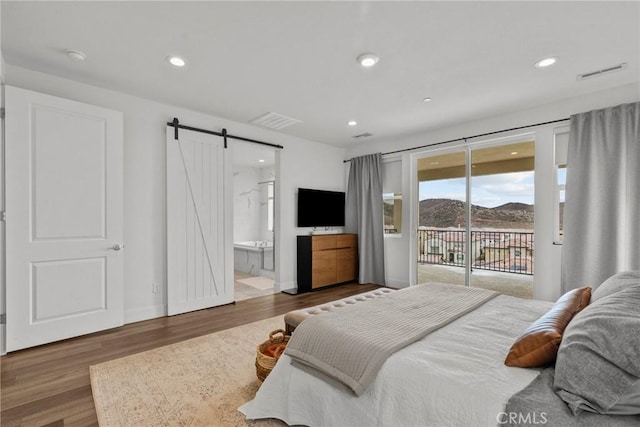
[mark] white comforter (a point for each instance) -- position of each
(453, 377)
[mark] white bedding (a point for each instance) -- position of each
(453, 377)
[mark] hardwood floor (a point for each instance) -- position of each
(49, 385)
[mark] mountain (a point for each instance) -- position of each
(514, 206)
(451, 213)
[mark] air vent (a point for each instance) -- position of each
(602, 72)
(274, 121)
(362, 135)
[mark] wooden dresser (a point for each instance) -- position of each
(326, 259)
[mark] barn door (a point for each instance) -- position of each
(199, 227)
(64, 261)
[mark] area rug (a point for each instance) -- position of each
(198, 382)
(259, 282)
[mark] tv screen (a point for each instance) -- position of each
(320, 208)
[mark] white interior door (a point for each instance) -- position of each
(63, 218)
(199, 227)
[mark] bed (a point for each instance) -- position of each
(454, 376)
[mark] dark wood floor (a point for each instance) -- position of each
(49, 385)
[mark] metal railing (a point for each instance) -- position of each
(508, 251)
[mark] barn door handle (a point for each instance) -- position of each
(117, 247)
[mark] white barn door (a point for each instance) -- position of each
(64, 265)
(199, 227)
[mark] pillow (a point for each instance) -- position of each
(615, 283)
(627, 405)
(598, 367)
(538, 344)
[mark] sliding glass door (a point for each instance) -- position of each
(442, 218)
(502, 208)
(475, 217)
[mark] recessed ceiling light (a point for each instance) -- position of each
(176, 61)
(368, 59)
(513, 153)
(352, 123)
(261, 161)
(427, 100)
(76, 55)
(546, 62)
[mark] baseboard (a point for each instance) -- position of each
(286, 285)
(145, 313)
(396, 283)
(3, 346)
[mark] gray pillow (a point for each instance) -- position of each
(627, 405)
(614, 283)
(598, 362)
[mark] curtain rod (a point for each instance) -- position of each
(469, 137)
(176, 125)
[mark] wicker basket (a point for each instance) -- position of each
(269, 352)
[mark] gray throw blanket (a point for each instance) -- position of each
(352, 344)
(538, 404)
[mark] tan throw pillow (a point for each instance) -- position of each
(538, 344)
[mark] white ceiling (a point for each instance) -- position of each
(244, 59)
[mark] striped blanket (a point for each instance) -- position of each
(352, 344)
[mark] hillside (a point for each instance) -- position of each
(450, 213)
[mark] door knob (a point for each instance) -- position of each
(117, 247)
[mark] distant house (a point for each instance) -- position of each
(448, 245)
(498, 250)
(514, 254)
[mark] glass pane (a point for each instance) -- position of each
(561, 180)
(270, 206)
(392, 213)
(270, 214)
(502, 207)
(442, 218)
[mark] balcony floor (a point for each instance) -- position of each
(517, 285)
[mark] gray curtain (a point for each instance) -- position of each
(364, 215)
(602, 205)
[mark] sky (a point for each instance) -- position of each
(488, 190)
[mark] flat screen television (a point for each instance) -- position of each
(320, 208)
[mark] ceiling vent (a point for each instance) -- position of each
(362, 135)
(602, 72)
(274, 121)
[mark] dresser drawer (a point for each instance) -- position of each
(321, 243)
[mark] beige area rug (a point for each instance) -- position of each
(198, 382)
(262, 283)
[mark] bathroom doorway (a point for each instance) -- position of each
(254, 201)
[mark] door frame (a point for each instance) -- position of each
(3, 244)
(277, 230)
(111, 313)
(464, 146)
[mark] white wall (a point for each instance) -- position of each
(301, 163)
(559, 110)
(396, 247)
(321, 169)
(400, 252)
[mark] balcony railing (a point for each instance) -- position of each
(496, 250)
